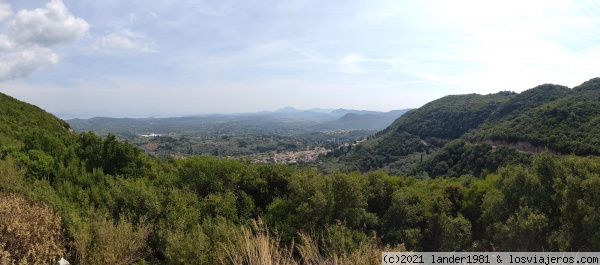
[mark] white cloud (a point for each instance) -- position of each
(47, 27)
(24, 62)
(25, 47)
(5, 11)
(123, 39)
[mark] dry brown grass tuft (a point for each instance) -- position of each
(257, 246)
(29, 232)
(309, 250)
(367, 253)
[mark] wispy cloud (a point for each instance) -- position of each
(358, 64)
(306, 57)
(123, 39)
(310, 55)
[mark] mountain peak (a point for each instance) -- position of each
(288, 110)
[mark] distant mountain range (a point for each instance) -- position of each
(314, 119)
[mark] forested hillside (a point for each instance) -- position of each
(451, 116)
(419, 133)
(553, 117)
(102, 201)
(548, 117)
(22, 123)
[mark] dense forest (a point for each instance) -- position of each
(467, 185)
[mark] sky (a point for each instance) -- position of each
(133, 58)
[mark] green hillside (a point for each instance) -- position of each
(20, 121)
(419, 133)
(555, 118)
(451, 116)
(529, 99)
(547, 117)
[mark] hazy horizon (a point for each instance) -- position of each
(68, 116)
(177, 58)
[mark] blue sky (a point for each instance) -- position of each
(79, 58)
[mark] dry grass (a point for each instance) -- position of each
(366, 253)
(309, 250)
(369, 253)
(258, 246)
(29, 232)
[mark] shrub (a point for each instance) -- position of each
(101, 240)
(29, 232)
(11, 178)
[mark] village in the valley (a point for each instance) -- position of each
(290, 157)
